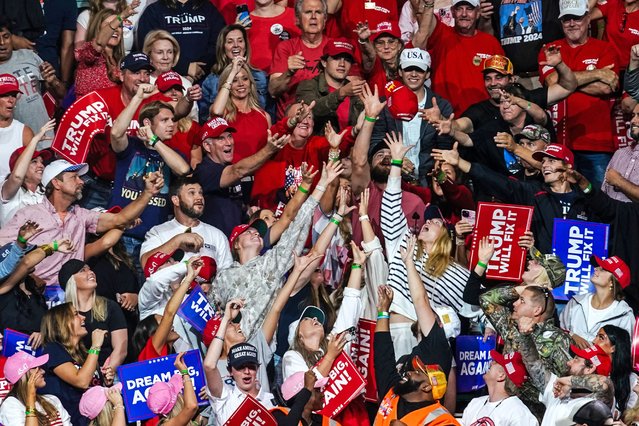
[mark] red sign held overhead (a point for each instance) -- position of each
(80, 123)
(362, 354)
(503, 224)
(344, 384)
(251, 413)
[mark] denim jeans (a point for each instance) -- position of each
(592, 165)
(96, 193)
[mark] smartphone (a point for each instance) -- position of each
(468, 216)
(351, 333)
(243, 15)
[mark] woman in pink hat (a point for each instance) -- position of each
(23, 406)
(104, 406)
(167, 401)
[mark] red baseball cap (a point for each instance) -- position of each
(499, 63)
(167, 80)
(600, 359)
(257, 224)
(215, 127)
(401, 101)
(339, 46)
(9, 84)
(45, 154)
(386, 28)
(208, 271)
(158, 259)
(615, 266)
(513, 366)
(557, 151)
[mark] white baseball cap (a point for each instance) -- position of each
(415, 58)
(473, 3)
(573, 7)
(59, 166)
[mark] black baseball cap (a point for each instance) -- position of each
(242, 354)
(136, 61)
(70, 268)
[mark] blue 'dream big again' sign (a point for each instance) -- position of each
(17, 342)
(472, 356)
(138, 377)
(196, 309)
(574, 241)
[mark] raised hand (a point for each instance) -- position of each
(373, 107)
(296, 62)
(196, 70)
(486, 250)
(336, 345)
(66, 246)
(407, 253)
(384, 298)
(331, 171)
(450, 156)
(506, 141)
(193, 267)
(359, 256)
(194, 93)
(302, 262)
(130, 10)
(97, 338)
(179, 362)
(334, 138)
(527, 240)
(432, 114)
(308, 173)
(154, 182)
(277, 142)
(146, 90)
(363, 202)
(344, 198)
(233, 307)
(363, 31)
(28, 230)
(48, 126)
(444, 126)
(395, 143)
(553, 56)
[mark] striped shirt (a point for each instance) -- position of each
(446, 290)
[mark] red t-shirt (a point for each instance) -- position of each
(621, 41)
(373, 11)
(584, 122)
(377, 76)
(101, 158)
(251, 133)
(266, 33)
(183, 142)
(280, 65)
(457, 63)
(343, 110)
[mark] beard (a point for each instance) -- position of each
(380, 174)
(190, 211)
(406, 387)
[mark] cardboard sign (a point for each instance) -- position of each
(344, 384)
(472, 356)
(503, 224)
(635, 346)
(80, 123)
(362, 354)
(574, 241)
(15, 341)
(138, 377)
(196, 309)
(54, 295)
(251, 413)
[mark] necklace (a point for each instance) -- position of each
(494, 408)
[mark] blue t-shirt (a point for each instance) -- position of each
(59, 16)
(222, 206)
(132, 164)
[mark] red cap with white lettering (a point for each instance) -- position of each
(9, 84)
(615, 266)
(554, 150)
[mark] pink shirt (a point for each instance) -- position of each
(77, 223)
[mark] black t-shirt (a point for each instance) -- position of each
(114, 321)
(69, 395)
(222, 206)
(523, 27)
(24, 317)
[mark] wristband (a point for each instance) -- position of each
(379, 317)
(482, 264)
(397, 163)
(153, 140)
(119, 18)
(356, 266)
(364, 217)
(183, 372)
(333, 154)
(55, 245)
(302, 189)
(528, 107)
(320, 188)
(48, 250)
(335, 221)
(588, 189)
(383, 313)
(29, 411)
(94, 351)
(370, 119)
(220, 338)
(21, 239)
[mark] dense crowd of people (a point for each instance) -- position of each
(306, 165)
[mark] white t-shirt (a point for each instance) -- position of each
(507, 412)
(23, 198)
(264, 355)
(231, 398)
(10, 140)
(596, 316)
(557, 409)
(215, 243)
(12, 412)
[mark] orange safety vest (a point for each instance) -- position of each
(432, 415)
(326, 421)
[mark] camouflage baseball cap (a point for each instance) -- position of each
(534, 132)
(552, 264)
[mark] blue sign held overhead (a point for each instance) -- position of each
(15, 341)
(138, 377)
(196, 309)
(574, 241)
(472, 356)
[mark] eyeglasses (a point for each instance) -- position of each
(390, 42)
(622, 24)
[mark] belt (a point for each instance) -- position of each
(528, 74)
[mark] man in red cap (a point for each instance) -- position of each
(555, 197)
(458, 53)
(500, 407)
(23, 185)
(334, 92)
(14, 133)
(220, 178)
(296, 60)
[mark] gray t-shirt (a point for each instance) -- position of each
(25, 66)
